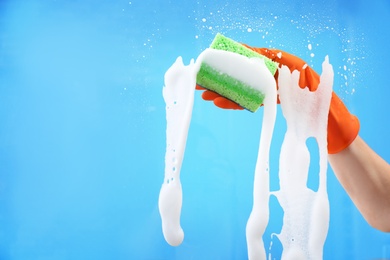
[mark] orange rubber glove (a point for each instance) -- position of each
(343, 127)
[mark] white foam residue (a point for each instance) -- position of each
(306, 213)
(258, 219)
(247, 70)
(178, 94)
(254, 73)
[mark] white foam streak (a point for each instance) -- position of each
(247, 70)
(258, 219)
(178, 94)
(306, 213)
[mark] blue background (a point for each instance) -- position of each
(82, 124)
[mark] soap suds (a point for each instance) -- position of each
(178, 94)
(306, 213)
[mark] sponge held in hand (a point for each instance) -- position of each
(227, 86)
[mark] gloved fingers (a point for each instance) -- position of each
(197, 87)
(283, 58)
(209, 95)
(220, 101)
(263, 51)
(225, 103)
(308, 77)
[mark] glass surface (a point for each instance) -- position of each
(82, 124)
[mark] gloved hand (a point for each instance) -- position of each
(343, 127)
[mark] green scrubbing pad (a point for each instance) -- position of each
(227, 86)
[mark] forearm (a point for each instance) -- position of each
(366, 178)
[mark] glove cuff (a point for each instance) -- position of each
(343, 127)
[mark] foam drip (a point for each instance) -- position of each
(306, 213)
(178, 94)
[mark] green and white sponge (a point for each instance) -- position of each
(227, 86)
